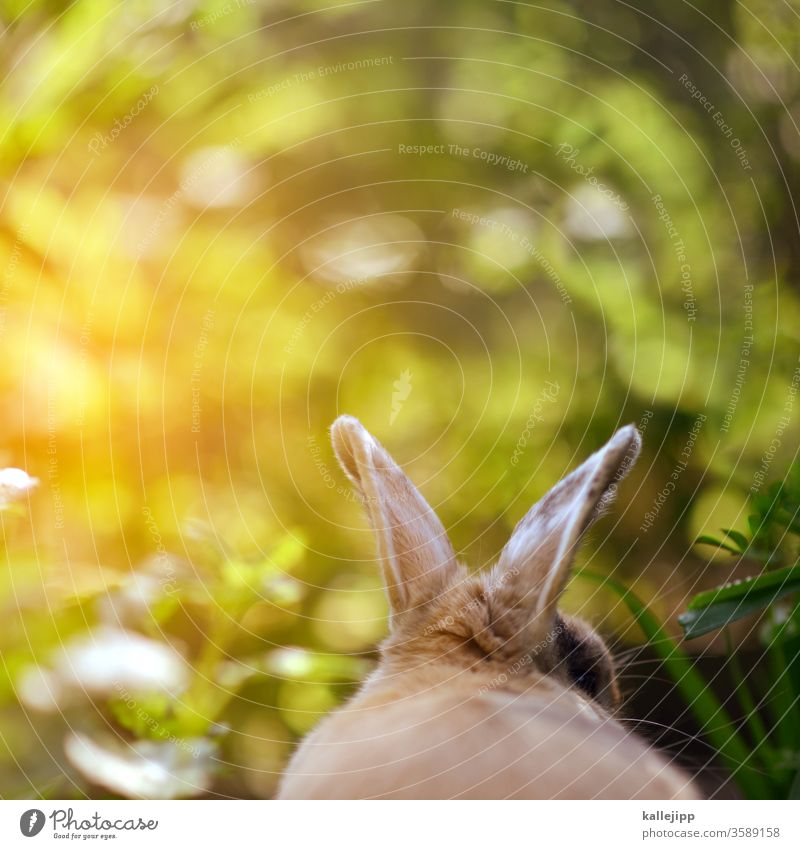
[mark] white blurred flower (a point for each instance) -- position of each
(290, 662)
(14, 484)
(147, 223)
(110, 658)
(146, 769)
(504, 236)
(107, 661)
(39, 689)
(592, 216)
(363, 249)
(283, 590)
(216, 176)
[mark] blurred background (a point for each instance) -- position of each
(493, 231)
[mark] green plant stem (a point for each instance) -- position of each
(794, 790)
(783, 706)
(756, 725)
(714, 720)
(203, 701)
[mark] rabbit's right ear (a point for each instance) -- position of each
(416, 556)
(535, 564)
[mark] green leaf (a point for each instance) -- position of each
(695, 623)
(718, 543)
(757, 583)
(739, 538)
(712, 610)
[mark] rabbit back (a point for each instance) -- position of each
(494, 745)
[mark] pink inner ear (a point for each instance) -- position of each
(413, 546)
(539, 554)
(566, 525)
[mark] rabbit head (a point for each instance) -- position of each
(504, 619)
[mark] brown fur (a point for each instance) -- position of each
(483, 690)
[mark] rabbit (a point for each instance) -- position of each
(484, 690)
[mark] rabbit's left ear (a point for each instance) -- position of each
(416, 556)
(534, 566)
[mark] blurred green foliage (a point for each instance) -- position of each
(218, 231)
